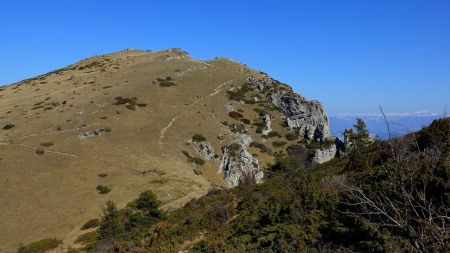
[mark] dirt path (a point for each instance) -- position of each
(216, 91)
(41, 134)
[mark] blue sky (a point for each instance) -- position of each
(351, 55)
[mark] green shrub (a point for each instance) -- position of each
(239, 94)
(198, 160)
(278, 143)
(130, 103)
(87, 238)
(193, 159)
(245, 121)
(103, 189)
(92, 223)
(233, 148)
(8, 126)
(110, 225)
(47, 144)
(167, 82)
(198, 138)
(291, 136)
(263, 148)
(235, 115)
(273, 134)
(40, 246)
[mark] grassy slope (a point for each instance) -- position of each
(53, 194)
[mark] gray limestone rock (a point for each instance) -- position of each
(205, 149)
(239, 166)
(267, 128)
(324, 154)
(307, 117)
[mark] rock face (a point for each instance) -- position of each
(324, 155)
(205, 149)
(307, 117)
(267, 129)
(238, 164)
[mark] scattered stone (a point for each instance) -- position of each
(93, 133)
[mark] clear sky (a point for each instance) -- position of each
(351, 55)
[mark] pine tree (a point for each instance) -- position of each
(110, 227)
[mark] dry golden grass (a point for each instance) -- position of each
(53, 194)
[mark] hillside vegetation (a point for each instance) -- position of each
(112, 126)
(384, 196)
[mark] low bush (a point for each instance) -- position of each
(263, 148)
(198, 138)
(167, 82)
(198, 160)
(40, 246)
(235, 115)
(92, 223)
(245, 121)
(103, 189)
(239, 94)
(273, 134)
(291, 136)
(87, 238)
(279, 143)
(8, 126)
(47, 144)
(130, 103)
(193, 159)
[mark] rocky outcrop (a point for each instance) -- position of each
(176, 54)
(238, 164)
(205, 149)
(267, 128)
(263, 83)
(307, 117)
(324, 154)
(93, 133)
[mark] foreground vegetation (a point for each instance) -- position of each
(383, 196)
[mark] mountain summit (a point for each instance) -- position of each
(112, 126)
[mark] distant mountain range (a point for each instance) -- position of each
(400, 123)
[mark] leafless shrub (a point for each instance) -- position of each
(405, 203)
